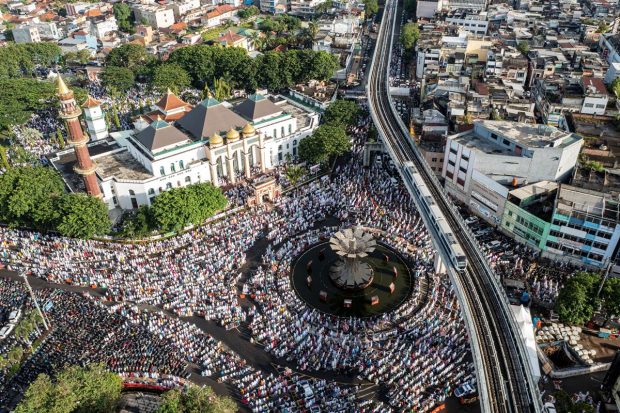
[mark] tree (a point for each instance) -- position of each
(122, 13)
(615, 86)
(194, 399)
(294, 173)
(255, 40)
(21, 97)
(4, 160)
(610, 295)
(118, 78)
(577, 300)
(371, 7)
(523, 47)
(602, 28)
(411, 7)
(27, 196)
(325, 142)
(409, 36)
(75, 390)
(60, 139)
(179, 207)
(323, 65)
(222, 89)
(342, 112)
(82, 216)
(248, 12)
(172, 76)
(131, 56)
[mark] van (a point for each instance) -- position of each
(494, 244)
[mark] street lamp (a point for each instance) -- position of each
(34, 299)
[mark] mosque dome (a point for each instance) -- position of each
(216, 140)
(248, 130)
(232, 135)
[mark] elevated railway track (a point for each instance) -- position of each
(504, 378)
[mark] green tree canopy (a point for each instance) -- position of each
(342, 112)
(410, 7)
(27, 196)
(122, 13)
(615, 86)
(76, 390)
(409, 36)
(21, 97)
(523, 47)
(170, 75)
(176, 208)
(117, 78)
(131, 56)
(17, 60)
(82, 216)
(325, 142)
(577, 300)
(371, 7)
(611, 296)
(248, 12)
(194, 399)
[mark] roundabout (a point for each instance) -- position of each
(348, 278)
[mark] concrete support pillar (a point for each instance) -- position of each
(214, 178)
(229, 165)
(262, 149)
(246, 164)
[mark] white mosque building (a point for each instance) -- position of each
(177, 145)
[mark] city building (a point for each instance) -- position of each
(100, 27)
(26, 34)
(483, 164)
(304, 7)
(158, 17)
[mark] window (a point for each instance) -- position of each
(493, 136)
(600, 106)
(295, 142)
(181, 165)
(282, 131)
(169, 185)
(275, 135)
(188, 180)
(434, 160)
(290, 128)
(172, 168)
(162, 171)
(451, 163)
(506, 142)
(134, 201)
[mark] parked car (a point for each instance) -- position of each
(464, 390)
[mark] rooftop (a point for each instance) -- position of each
(531, 136)
(121, 165)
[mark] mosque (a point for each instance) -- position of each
(176, 145)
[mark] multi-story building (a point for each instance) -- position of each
(595, 96)
(182, 7)
(527, 213)
(100, 27)
(304, 7)
(481, 165)
(475, 23)
(26, 34)
(157, 17)
(585, 225)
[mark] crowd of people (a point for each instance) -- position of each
(197, 273)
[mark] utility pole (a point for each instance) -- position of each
(36, 303)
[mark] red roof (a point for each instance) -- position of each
(170, 101)
(230, 37)
(594, 82)
(177, 27)
(219, 10)
(93, 13)
(91, 102)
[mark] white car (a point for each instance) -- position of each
(14, 316)
(471, 220)
(464, 390)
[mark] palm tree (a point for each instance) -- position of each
(294, 173)
(256, 40)
(16, 354)
(313, 29)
